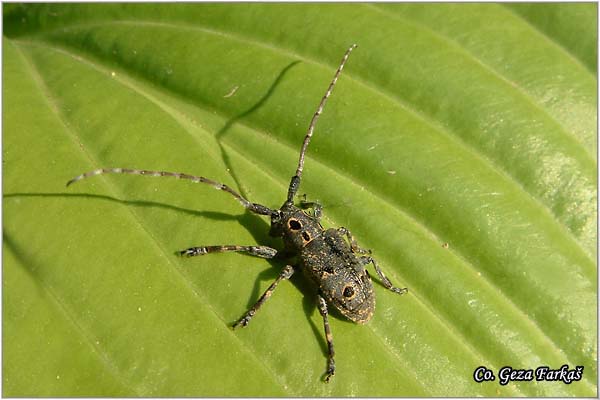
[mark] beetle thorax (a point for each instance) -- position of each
(295, 226)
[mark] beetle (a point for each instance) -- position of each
(330, 258)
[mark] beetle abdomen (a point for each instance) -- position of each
(339, 276)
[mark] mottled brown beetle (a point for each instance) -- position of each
(330, 258)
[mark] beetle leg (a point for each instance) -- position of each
(330, 360)
(386, 282)
(285, 274)
(353, 244)
(316, 207)
(258, 251)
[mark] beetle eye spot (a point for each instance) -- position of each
(294, 224)
(306, 236)
(348, 291)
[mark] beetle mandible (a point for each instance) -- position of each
(330, 258)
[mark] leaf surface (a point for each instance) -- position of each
(459, 145)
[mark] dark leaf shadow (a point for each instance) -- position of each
(134, 203)
(223, 131)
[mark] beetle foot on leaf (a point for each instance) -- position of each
(330, 371)
(244, 321)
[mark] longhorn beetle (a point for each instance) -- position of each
(330, 258)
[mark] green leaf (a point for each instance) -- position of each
(459, 145)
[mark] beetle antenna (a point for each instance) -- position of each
(254, 207)
(295, 183)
